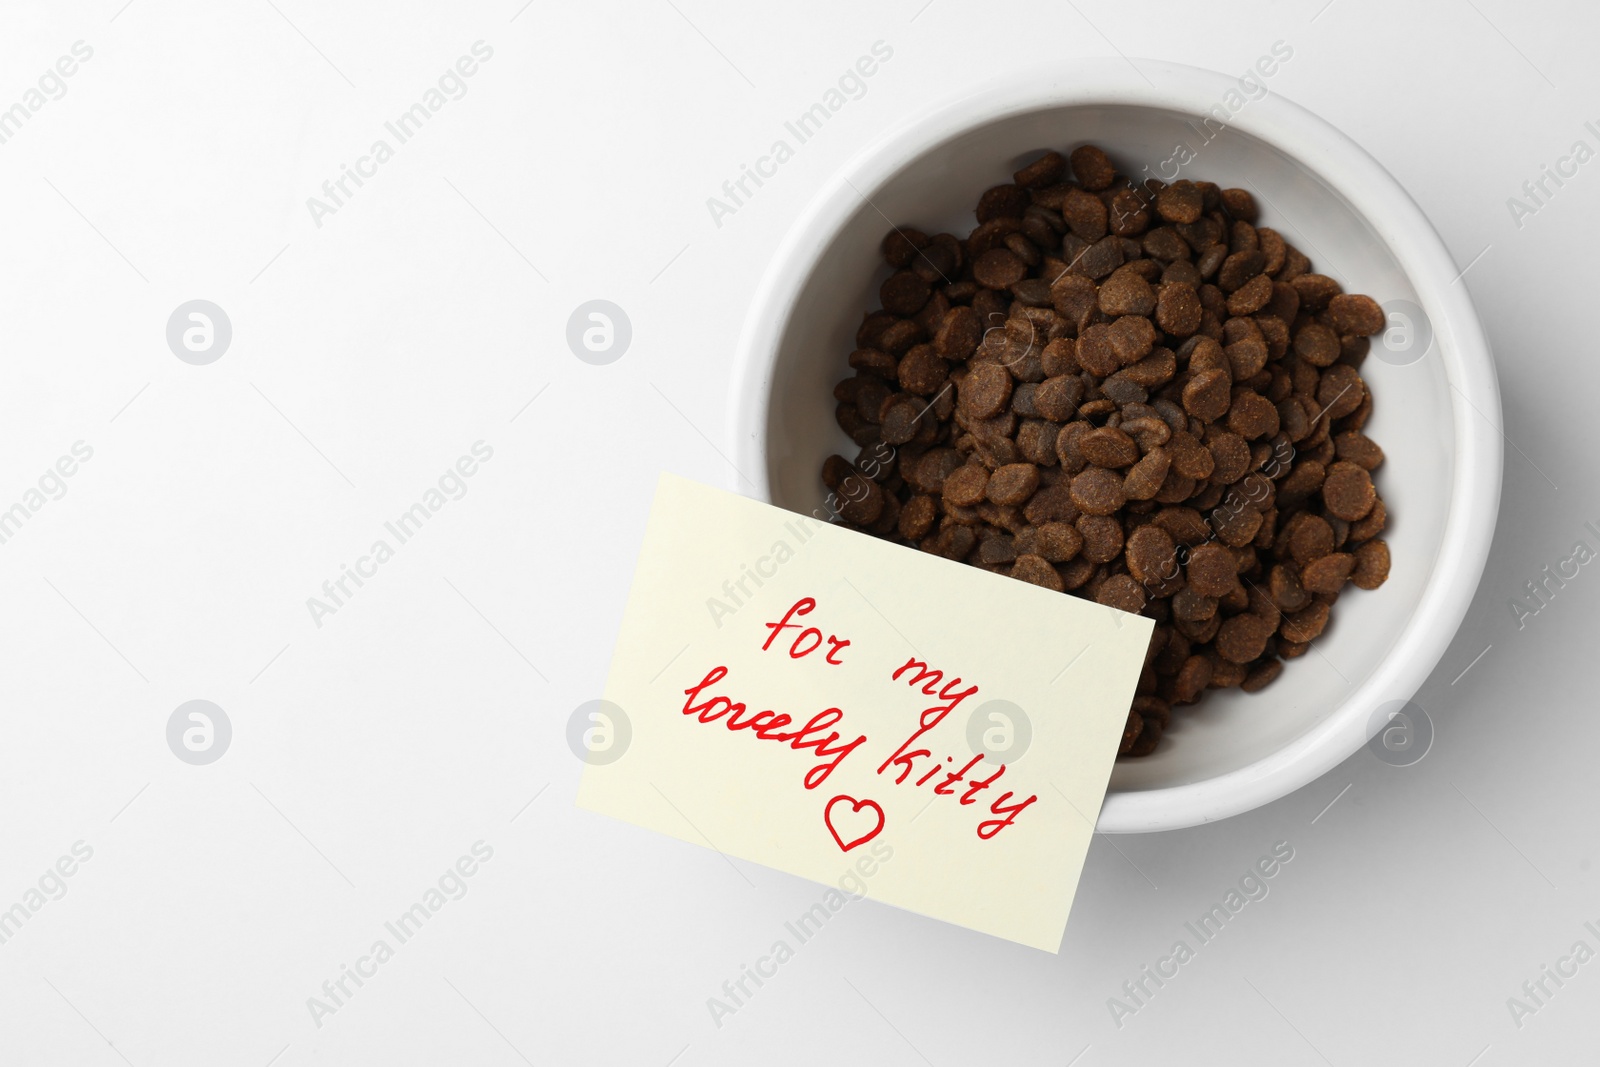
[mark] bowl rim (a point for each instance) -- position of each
(1373, 193)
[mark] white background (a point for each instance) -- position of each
(425, 315)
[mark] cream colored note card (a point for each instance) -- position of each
(862, 714)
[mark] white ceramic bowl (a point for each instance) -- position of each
(1435, 416)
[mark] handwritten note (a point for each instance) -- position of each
(803, 696)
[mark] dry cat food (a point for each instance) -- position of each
(1129, 393)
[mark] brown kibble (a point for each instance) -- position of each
(1108, 447)
(1193, 677)
(1151, 555)
(1250, 297)
(1240, 204)
(1208, 395)
(1127, 293)
(1238, 269)
(1305, 626)
(1262, 675)
(1085, 214)
(1252, 416)
(1102, 538)
(1144, 479)
(1130, 392)
(985, 391)
(1372, 565)
(1036, 570)
(917, 517)
(1359, 449)
(1092, 168)
(1244, 637)
(1347, 491)
(1310, 538)
(1315, 290)
(922, 372)
(1057, 541)
(958, 335)
(1180, 202)
(860, 499)
(1046, 170)
(1096, 353)
(1098, 491)
(903, 293)
(1057, 398)
(999, 268)
(1317, 345)
(899, 246)
(1355, 314)
(1003, 202)
(1122, 592)
(1178, 309)
(967, 486)
(1013, 483)
(1328, 574)
(1130, 733)
(1212, 571)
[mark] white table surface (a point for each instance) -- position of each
(428, 313)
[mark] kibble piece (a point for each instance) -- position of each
(1208, 395)
(999, 268)
(967, 486)
(1037, 571)
(1057, 398)
(917, 517)
(1372, 565)
(1013, 483)
(1046, 170)
(1127, 293)
(922, 372)
(1102, 538)
(1178, 309)
(1057, 541)
(1347, 491)
(860, 499)
(1316, 290)
(1145, 478)
(1092, 167)
(1097, 491)
(1359, 449)
(1243, 638)
(1250, 297)
(1262, 675)
(1310, 538)
(1355, 314)
(1212, 571)
(1371, 526)
(1305, 626)
(1240, 204)
(1109, 446)
(1085, 214)
(1151, 555)
(1317, 345)
(1328, 574)
(1193, 677)
(904, 293)
(899, 246)
(1252, 416)
(1181, 201)
(1122, 592)
(1238, 269)
(1096, 353)
(958, 335)
(985, 391)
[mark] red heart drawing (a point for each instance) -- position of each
(855, 806)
